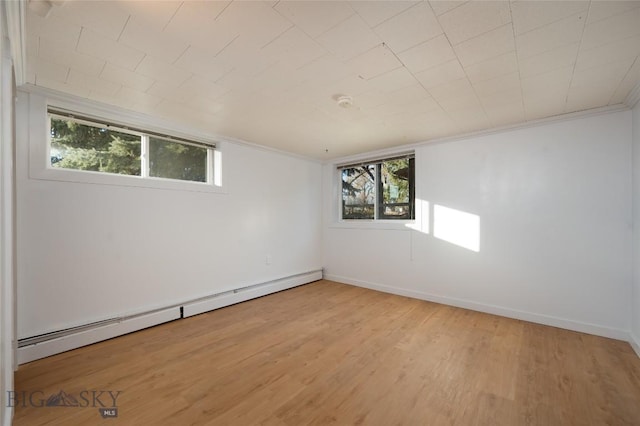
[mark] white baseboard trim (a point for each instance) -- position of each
(242, 295)
(45, 348)
(490, 309)
(635, 343)
(93, 335)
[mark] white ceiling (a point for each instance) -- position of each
(269, 72)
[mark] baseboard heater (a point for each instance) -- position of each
(37, 347)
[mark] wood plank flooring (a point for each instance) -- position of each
(327, 353)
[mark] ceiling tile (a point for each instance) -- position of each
(93, 84)
(506, 115)
(94, 44)
(441, 6)
(101, 16)
(199, 87)
(31, 69)
(410, 28)
(70, 58)
(314, 17)
(205, 105)
(62, 87)
(278, 82)
(594, 97)
(428, 54)
(154, 14)
(608, 53)
(239, 81)
(245, 58)
(494, 67)
(349, 38)
(628, 83)
(162, 71)
(258, 24)
(609, 74)
(612, 29)
(375, 62)
(441, 74)
(56, 29)
(125, 77)
(152, 41)
(605, 9)
(294, 49)
(195, 24)
(505, 107)
(529, 15)
(176, 111)
(392, 80)
(255, 62)
(566, 31)
(501, 99)
(376, 12)
(559, 57)
(350, 85)
(409, 95)
(198, 62)
(371, 99)
(325, 68)
(496, 85)
(469, 118)
(544, 104)
(33, 43)
(474, 18)
(486, 46)
(454, 95)
(48, 70)
(553, 82)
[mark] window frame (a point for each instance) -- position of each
(376, 223)
(40, 167)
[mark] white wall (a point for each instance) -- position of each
(635, 324)
(88, 252)
(555, 227)
(6, 224)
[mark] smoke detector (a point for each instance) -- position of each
(344, 101)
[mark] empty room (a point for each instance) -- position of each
(319, 212)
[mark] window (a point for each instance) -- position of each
(379, 189)
(80, 143)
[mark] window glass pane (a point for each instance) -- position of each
(174, 160)
(84, 147)
(358, 192)
(395, 176)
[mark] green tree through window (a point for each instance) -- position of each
(382, 189)
(84, 147)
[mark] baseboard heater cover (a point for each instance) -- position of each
(248, 293)
(88, 336)
(33, 348)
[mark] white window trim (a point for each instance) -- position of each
(381, 224)
(39, 149)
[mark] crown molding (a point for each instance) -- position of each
(126, 116)
(512, 127)
(14, 15)
(633, 97)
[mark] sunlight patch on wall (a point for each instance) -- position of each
(456, 227)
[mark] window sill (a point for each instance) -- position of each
(98, 178)
(391, 225)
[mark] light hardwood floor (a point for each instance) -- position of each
(328, 353)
